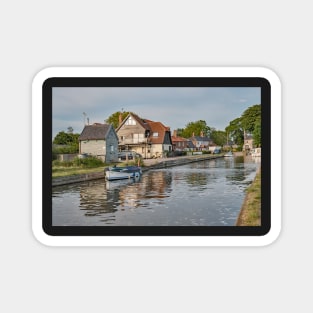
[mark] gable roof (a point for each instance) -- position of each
(190, 144)
(140, 121)
(151, 126)
(96, 131)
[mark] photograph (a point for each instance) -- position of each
(156, 156)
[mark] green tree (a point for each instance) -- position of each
(63, 138)
(180, 132)
(196, 128)
(247, 122)
(219, 137)
(115, 117)
(235, 131)
(250, 117)
(257, 133)
(69, 141)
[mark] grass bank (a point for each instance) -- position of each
(62, 169)
(89, 166)
(250, 213)
(70, 171)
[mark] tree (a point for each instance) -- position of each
(63, 138)
(68, 140)
(246, 123)
(250, 117)
(196, 128)
(257, 133)
(115, 117)
(219, 137)
(235, 131)
(180, 132)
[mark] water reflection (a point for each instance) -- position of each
(204, 193)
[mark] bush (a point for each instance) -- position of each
(88, 162)
(58, 163)
(176, 153)
(206, 152)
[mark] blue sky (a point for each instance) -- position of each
(174, 107)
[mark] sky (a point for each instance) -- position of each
(173, 106)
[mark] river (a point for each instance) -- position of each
(206, 193)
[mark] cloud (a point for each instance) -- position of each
(174, 107)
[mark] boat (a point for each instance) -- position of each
(228, 154)
(125, 172)
(120, 183)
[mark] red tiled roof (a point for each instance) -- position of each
(177, 139)
(157, 127)
(142, 122)
(153, 127)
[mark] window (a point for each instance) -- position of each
(138, 138)
(155, 134)
(130, 121)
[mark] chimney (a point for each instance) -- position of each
(120, 119)
(175, 133)
(193, 134)
(201, 133)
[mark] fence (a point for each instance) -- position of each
(66, 157)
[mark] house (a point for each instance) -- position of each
(248, 143)
(99, 140)
(148, 138)
(200, 142)
(179, 143)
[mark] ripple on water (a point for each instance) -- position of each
(209, 193)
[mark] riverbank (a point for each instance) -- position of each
(177, 161)
(250, 213)
(148, 165)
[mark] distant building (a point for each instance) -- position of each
(248, 143)
(99, 140)
(179, 143)
(200, 142)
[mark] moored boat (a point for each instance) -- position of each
(127, 172)
(228, 154)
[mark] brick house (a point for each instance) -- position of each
(179, 143)
(200, 142)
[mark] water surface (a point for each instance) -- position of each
(207, 193)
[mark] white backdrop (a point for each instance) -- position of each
(38, 34)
